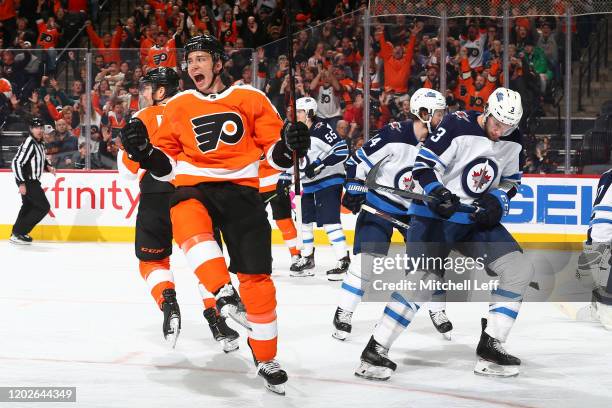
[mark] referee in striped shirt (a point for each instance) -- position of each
(28, 165)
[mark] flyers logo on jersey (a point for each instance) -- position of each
(226, 127)
(159, 58)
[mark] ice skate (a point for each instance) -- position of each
(494, 359)
(342, 323)
(274, 376)
(172, 317)
(303, 267)
(337, 274)
(375, 362)
(20, 239)
(221, 331)
(295, 261)
(441, 323)
(228, 305)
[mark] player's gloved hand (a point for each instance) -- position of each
(283, 185)
(490, 210)
(296, 137)
(313, 169)
(135, 140)
(354, 195)
(447, 203)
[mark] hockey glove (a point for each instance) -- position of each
(446, 203)
(297, 138)
(489, 210)
(313, 169)
(354, 196)
(283, 185)
(135, 140)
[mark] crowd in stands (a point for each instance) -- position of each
(329, 56)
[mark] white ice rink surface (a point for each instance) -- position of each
(80, 315)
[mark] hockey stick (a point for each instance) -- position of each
(384, 216)
(372, 184)
(296, 166)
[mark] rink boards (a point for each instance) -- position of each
(101, 206)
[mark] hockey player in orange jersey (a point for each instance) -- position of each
(281, 207)
(153, 244)
(209, 144)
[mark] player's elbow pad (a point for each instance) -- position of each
(157, 163)
(282, 157)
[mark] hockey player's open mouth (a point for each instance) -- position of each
(198, 79)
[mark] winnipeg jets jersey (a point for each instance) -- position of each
(462, 158)
(398, 146)
(331, 151)
(600, 227)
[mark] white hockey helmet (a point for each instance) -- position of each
(428, 99)
(505, 105)
(307, 104)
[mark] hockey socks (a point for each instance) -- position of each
(158, 277)
(336, 237)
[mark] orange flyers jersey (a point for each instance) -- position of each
(218, 137)
(151, 116)
(268, 176)
(162, 56)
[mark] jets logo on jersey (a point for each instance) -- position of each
(226, 127)
(462, 115)
(159, 58)
(478, 175)
(404, 180)
(395, 125)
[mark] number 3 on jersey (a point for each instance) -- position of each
(439, 133)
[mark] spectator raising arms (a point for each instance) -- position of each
(397, 60)
(108, 46)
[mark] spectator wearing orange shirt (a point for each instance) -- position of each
(48, 38)
(397, 60)
(7, 19)
(163, 54)
(475, 91)
(108, 46)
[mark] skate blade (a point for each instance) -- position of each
(335, 277)
(277, 389)
(447, 335)
(230, 345)
(340, 335)
(302, 274)
(172, 337)
(370, 372)
(236, 315)
(490, 369)
(18, 242)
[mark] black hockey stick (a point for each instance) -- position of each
(372, 184)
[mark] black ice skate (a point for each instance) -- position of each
(375, 362)
(228, 305)
(172, 317)
(494, 359)
(342, 323)
(20, 239)
(441, 323)
(221, 331)
(274, 376)
(337, 274)
(295, 261)
(303, 266)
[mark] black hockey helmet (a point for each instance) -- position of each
(162, 76)
(36, 122)
(207, 43)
